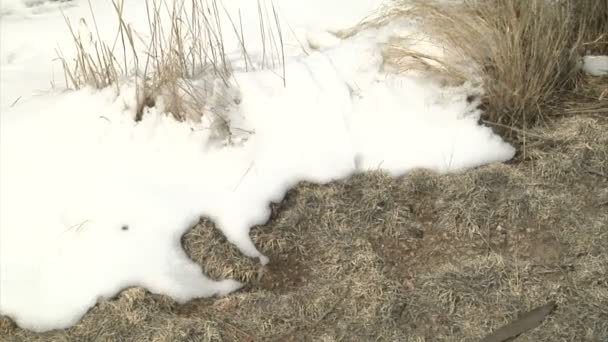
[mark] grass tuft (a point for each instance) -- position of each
(182, 62)
(525, 53)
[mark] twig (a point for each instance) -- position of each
(525, 322)
(521, 131)
(280, 31)
(243, 177)
(596, 173)
(77, 227)
(314, 323)
(15, 102)
(248, 336)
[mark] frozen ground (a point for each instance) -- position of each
(93, 202)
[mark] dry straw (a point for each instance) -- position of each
(185, 46)
(525, 53)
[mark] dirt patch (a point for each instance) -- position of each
(415, 258)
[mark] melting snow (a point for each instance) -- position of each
(92, 202)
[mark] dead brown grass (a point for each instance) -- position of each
(178, 64)
(418, 258)
(524, 53)
(593, 25)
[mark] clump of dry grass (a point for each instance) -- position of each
(94, 64)
(523, 52)
(192, 48)
(594, 24)
(183, 61)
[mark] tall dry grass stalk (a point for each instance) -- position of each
(180, 60)
(524, 53)
(95, 63)
(592, 23)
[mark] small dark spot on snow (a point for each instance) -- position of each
(125, 227)
(150, 102)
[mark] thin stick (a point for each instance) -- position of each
(525, 322)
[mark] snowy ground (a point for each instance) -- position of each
(92, 202)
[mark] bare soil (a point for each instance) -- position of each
(423, 257)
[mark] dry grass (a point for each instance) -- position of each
(179, 63)
(593, 25)
(524, 53)
(95, 63)
(417, 258)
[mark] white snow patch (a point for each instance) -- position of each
(595, 65)
(92, 202)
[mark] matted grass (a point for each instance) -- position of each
(418, 258)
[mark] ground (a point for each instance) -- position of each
(422, 257)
